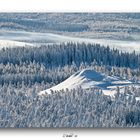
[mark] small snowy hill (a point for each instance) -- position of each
(87, 79)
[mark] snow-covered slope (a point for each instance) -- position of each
(87, 79)
(49, 38)
(10, 43)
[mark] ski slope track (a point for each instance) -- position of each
(88, 79)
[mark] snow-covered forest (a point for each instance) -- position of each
(25, 71)
(71, 109)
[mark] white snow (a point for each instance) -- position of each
(137, 98)
(50, 38)
(9, 44)
(88, 79)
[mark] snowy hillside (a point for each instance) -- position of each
(87, 79)
(48, 38)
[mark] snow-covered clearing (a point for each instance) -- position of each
(10, 44)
